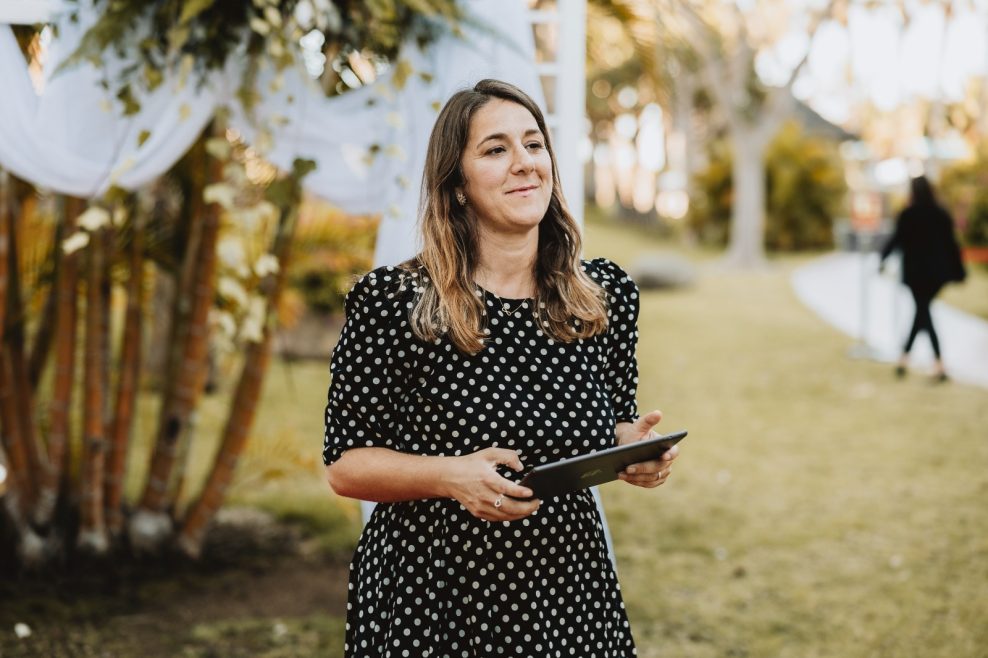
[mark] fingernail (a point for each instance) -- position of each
(632, 469)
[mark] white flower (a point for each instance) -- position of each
(304, 15)
(260, 26)
(252, 329)
(265, 265)
(272, 15)
(22, 631)
(231, 290)
(218, 147)
(94, 218)
(231, 252)
(220, 193)
(224, 322)
(119, 216)
(75, 242)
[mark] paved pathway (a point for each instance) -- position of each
(847, 291)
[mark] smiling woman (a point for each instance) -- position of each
(495, 350)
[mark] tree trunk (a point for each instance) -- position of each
(747, 241)
(151, 524)
(41, 346)
(6, 235)
(23, 398)
(92, 531)
(21, 483)
(128, 384)
(243, 406)
(64, 290)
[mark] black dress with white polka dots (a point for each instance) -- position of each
(428, 579)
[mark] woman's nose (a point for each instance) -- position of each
(523, 160)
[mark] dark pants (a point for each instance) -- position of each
(923, 320)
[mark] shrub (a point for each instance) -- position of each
(805, 189)
(331, 248)
(964, 190)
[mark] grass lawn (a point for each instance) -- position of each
(820, 507)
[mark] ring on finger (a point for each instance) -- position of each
(498, 501)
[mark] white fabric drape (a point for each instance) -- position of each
(73, 138)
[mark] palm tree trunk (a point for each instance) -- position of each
(22, 486)
(128, 385)
(64, 291)
(151, 524)
(243, 406)
(44, 335)
(23, 398)
(92, 531)
(6, 235)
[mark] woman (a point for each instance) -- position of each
(495, 347)
(924, 232)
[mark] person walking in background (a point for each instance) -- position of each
(931, 258)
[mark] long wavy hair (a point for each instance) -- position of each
(568, 305)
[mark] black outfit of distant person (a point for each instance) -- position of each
(931, 258)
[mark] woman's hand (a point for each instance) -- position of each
(651, 473)
(474, 481)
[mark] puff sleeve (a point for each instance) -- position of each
(369, 366)
(621, 341)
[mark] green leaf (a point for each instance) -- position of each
(143, 137)
(193, 8)
(403, 69)
(126, 96)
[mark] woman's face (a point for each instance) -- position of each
(507, 168)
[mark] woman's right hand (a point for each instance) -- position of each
(473, 480)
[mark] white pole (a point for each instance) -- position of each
(571, 90)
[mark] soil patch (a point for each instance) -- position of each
(260, 589)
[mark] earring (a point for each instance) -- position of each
(461, 197)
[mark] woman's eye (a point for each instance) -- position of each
(496, 150)
(535, 146)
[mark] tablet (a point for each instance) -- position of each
(595, 468)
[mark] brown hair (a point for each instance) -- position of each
(569, 304)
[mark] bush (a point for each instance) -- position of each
(964, 190)
(805, 189)
(331, 249)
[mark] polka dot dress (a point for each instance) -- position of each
(428, 579)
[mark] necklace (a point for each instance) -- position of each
(506, 307)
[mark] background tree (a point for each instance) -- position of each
(804, 190)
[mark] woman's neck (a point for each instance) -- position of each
(506, 265)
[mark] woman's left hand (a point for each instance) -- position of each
(652, 473)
